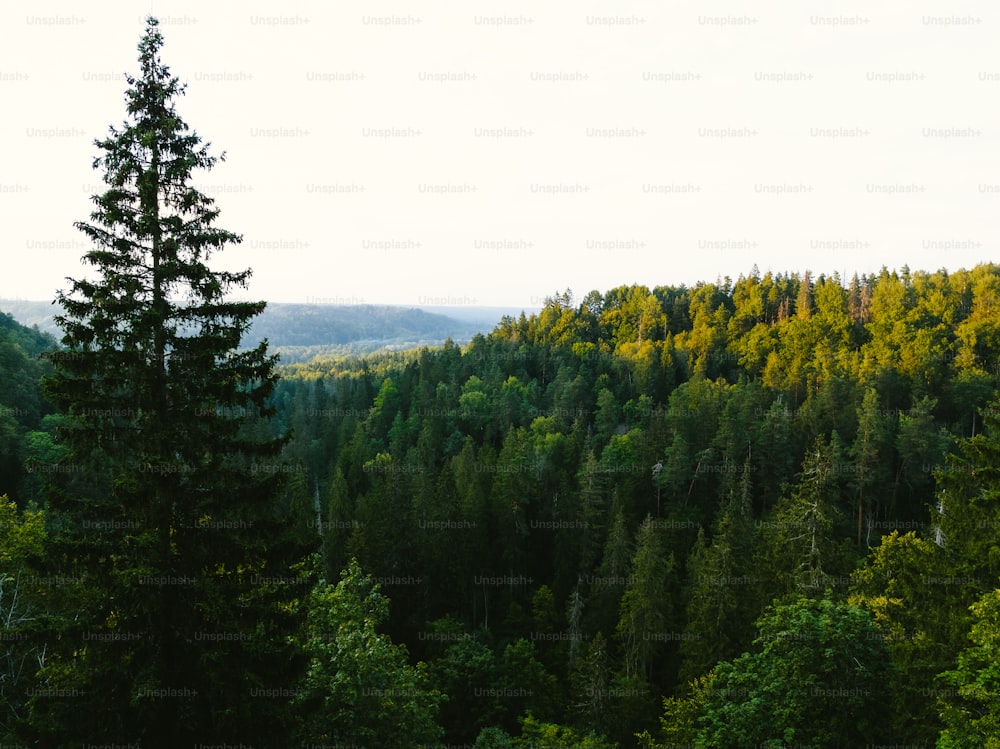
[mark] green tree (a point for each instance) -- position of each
(493, 738)
(590, 682)
(965, 523)
(803, 304)
(720, 603)
(339, 523)
(22, 537)
(920, 444)
(592, 483)
(678, 723)
(467, 674)
(607, 416)
(905, 585)
(871, 474)
(537, 734)
(799, 543)
(608, 584)
(774, 452)
(39, 451)
(970, 702)
(359, 687)
(170, 523)
(968, 511)
(21, 403)
(645, 605)
(817, 676)
(525, 685)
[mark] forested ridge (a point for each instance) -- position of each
(712, 516)
(300, 332)
(621, 485)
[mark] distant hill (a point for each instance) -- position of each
(21, 404)
(312, 324)
(31, 314)
(299, 332)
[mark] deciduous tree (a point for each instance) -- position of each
(817, 676)
(359, 688)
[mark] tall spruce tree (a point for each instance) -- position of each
(171, 527)
(721, 600)
(645, 606)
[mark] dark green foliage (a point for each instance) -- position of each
(359, 688)
(467, 675)
(512, 478)
(645, 609)
(967, 513)
(799, 550)
(817, 676)
(721, 591)
(23, 361)
(970, 705)
(22, 602)
(174, 624)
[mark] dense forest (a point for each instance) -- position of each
(712, 516)
(759, 513)
(645, 492)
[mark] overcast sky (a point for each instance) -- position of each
(491, 153)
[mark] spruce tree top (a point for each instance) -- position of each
(153, 344)
(154, 299)
(171, 517)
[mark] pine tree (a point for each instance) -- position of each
(574, 615)
(592, 501)
(608, 585)
(854, 299)
(868, 453)
(590, 681)
(968, 509)
(645, 605)
(177, 625)
(797, 541)
(719, 609)
(803, 303)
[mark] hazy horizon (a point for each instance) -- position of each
(538, 303)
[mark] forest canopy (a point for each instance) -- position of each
(586, 527)
(740, 444)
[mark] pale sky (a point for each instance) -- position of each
(492, 153)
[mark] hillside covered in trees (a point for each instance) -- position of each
(721, 516)
(631, 488)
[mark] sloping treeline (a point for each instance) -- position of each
(628, 481)
(760, 513)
